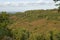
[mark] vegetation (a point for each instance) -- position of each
(30, 25)
(4, 21)
(57, 4)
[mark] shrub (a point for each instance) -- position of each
(20, 34)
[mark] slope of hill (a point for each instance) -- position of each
(36, 22)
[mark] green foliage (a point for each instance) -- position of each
(57, 4)
(58, 36)
(20, 34)
(51, 35)
(4, 20)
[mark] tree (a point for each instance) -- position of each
(57, 5)
(4, 21)
(55, 0)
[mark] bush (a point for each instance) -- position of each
(20, 34)
(4, 21)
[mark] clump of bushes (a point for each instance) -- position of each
(4, 21)
(20, 34)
